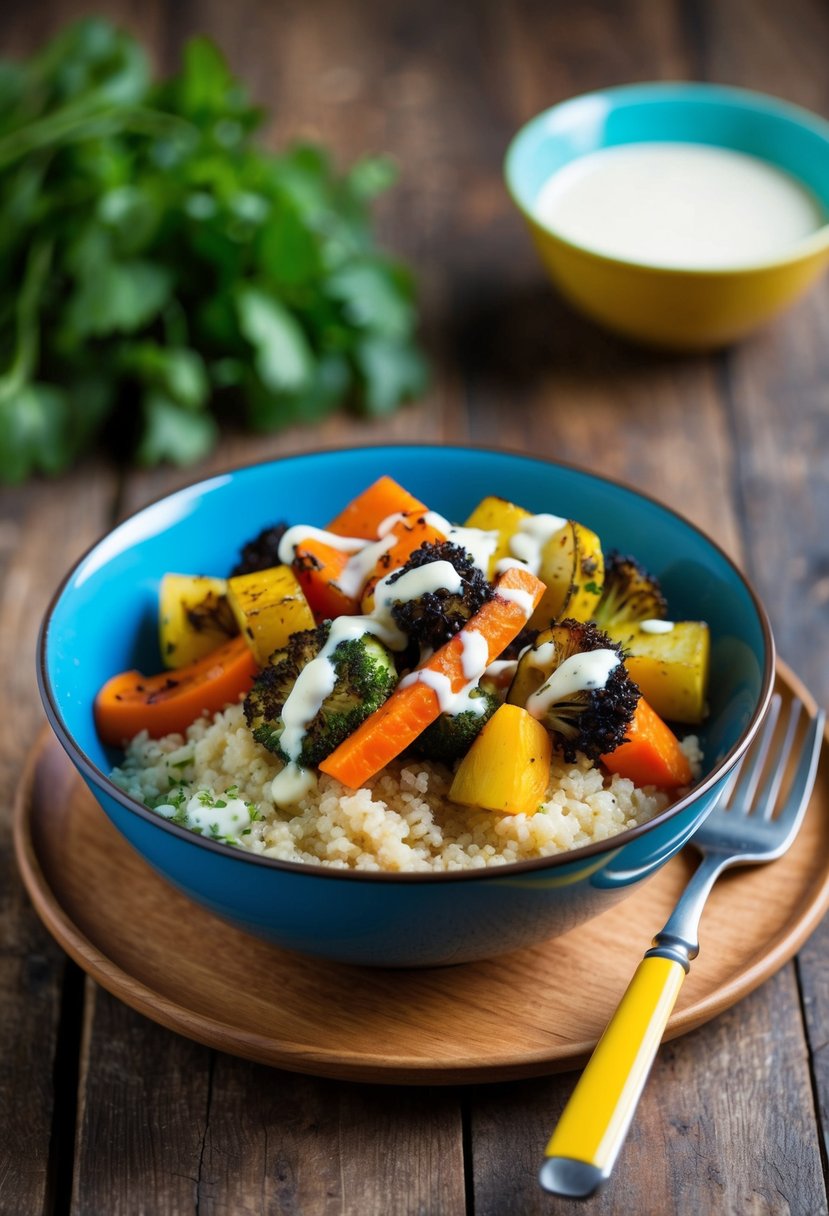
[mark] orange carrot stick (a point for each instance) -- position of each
(364, 514)
(410, 709)
(169, 702)
(651, 754)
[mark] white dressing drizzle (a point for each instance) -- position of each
(516, 595)
(532, 534)
(299, 532)
(292, 784)
(655, 626)
(358, 568)
(474, 655)
(579, 673)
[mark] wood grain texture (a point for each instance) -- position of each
(723, 1127)
(41, 528)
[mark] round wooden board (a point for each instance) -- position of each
(536, 1011)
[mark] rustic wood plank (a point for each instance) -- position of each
(43, 527)
(281, 1143)
(724, 1126)
(144, 1098)
(778, 385)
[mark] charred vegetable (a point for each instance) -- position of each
(432, 618)
(193, 617)
(451, 735)
(262, 552)
(585, 704)
(364, 676)
(630, 593)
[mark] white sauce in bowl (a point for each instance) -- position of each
(681, 205)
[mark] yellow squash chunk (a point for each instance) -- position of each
(572, 569)
(269, 606)
(497, 515)
(507, 768)
(671, 669)
(193, 618)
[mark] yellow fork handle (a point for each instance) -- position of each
(594, 1123)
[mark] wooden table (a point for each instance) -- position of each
(102, 1111)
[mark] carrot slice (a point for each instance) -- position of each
(317, 567)
(364, 514)
(410, 709)
(412, 530)
(651, 754)
(169, 702)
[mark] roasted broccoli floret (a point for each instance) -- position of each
(591, 720)
(364, 673)
(450, 736)
(262, 552)
(434, 617)
(630, 593)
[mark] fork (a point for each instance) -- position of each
(742, 829)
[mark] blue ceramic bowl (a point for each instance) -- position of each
(103, 620)
(682, 309)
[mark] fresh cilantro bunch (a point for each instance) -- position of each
(159, 268)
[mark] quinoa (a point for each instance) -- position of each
(217, 779)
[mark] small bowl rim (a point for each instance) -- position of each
(490, 873)
(658, 92)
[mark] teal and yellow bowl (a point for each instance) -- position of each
(103, 619)
(680, 309)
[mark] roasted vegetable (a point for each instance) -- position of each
(432, 618)
(170, 702)
(650, 753)
(507, 768)
(193, 618)
(415, 703)
(451, 735)
(572, 569)
(585, 706)
(268, 606)
(497, 515)
(630, 593)
(261, 553)
(365, 513)
(318, 568)
(670, 668)
(364, 676)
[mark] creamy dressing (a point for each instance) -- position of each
(434, 576)
(225, 820)
(579, 673)
(292, 784)
(684, 205)
(358, 568)
(516, 595)
(474, 654)
(656, 626)
(301, 532)
(528, 540)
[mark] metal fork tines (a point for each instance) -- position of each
(755, 820)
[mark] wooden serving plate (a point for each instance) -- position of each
(536, 1011)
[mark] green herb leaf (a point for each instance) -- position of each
(283, 357)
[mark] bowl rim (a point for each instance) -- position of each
(489, 873)
(657, 93)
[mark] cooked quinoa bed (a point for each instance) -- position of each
(402, 819)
